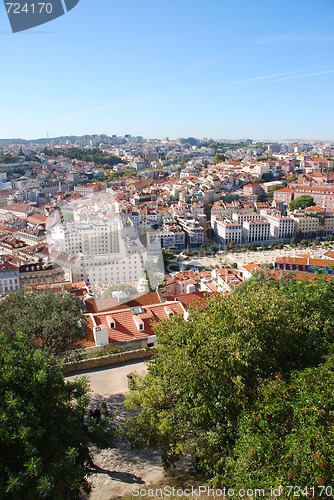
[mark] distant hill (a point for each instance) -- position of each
(44, 141)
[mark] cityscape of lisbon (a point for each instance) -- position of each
(115, 217)
(111, 219)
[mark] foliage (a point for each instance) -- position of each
(43, 439)
(168, 255)
(267, 177)
(219, 158)
(288, 435)
(304, 243)
(95, 155)
(301, 202)
(252, 246)
(230, 198)
(8, 159)
(92, 353)
(291, 178)
(262, 196)
(293, 242)
(114, 176)
(208, 370)
(50, 320)
(276, 187)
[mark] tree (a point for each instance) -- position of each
(53, 321)
(293, 242)
(291, 178)
(291, 419)
(43, 438)
(219, 158)
(304, 243)
(302, 202)
(262, 197)
(208, 370)
(252, 246)
(267, 177)
(170, 264)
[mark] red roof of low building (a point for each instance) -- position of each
(102, 305)
(193, 299)
(126, 320)
(252, 267)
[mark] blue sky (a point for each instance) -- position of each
(244, 69)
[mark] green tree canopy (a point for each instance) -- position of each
(219, 158)
(208, 370)
(287, 437)
(43, 439)
(301, 202)
(50, 320)
(95, 155)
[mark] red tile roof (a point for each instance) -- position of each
(329, 254)
(193, 299)
(252, 267)
(126, 320)
(102, 305)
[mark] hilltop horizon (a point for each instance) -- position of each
(74, 137)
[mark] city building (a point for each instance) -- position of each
(9, 275)
(256, 231)
(227, 230)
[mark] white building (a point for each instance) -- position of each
(168, 237)
(255, 231)
(227, 230)
(193, 231)
(242, 217)
(280, 227)
(92, 238)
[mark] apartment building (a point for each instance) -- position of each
(313, 221)
(284, 195)
(227, 230)
(241, 217)
(33, 236)
(171, 236)
(308, 227)
(92, 238)
(9, 275)
(88, 190)
(40, 273)
(323, 196)
(194, 233)
(255, 231)
(280, 227)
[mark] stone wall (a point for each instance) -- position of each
(103, 361)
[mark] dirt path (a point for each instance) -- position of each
(120, 468)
